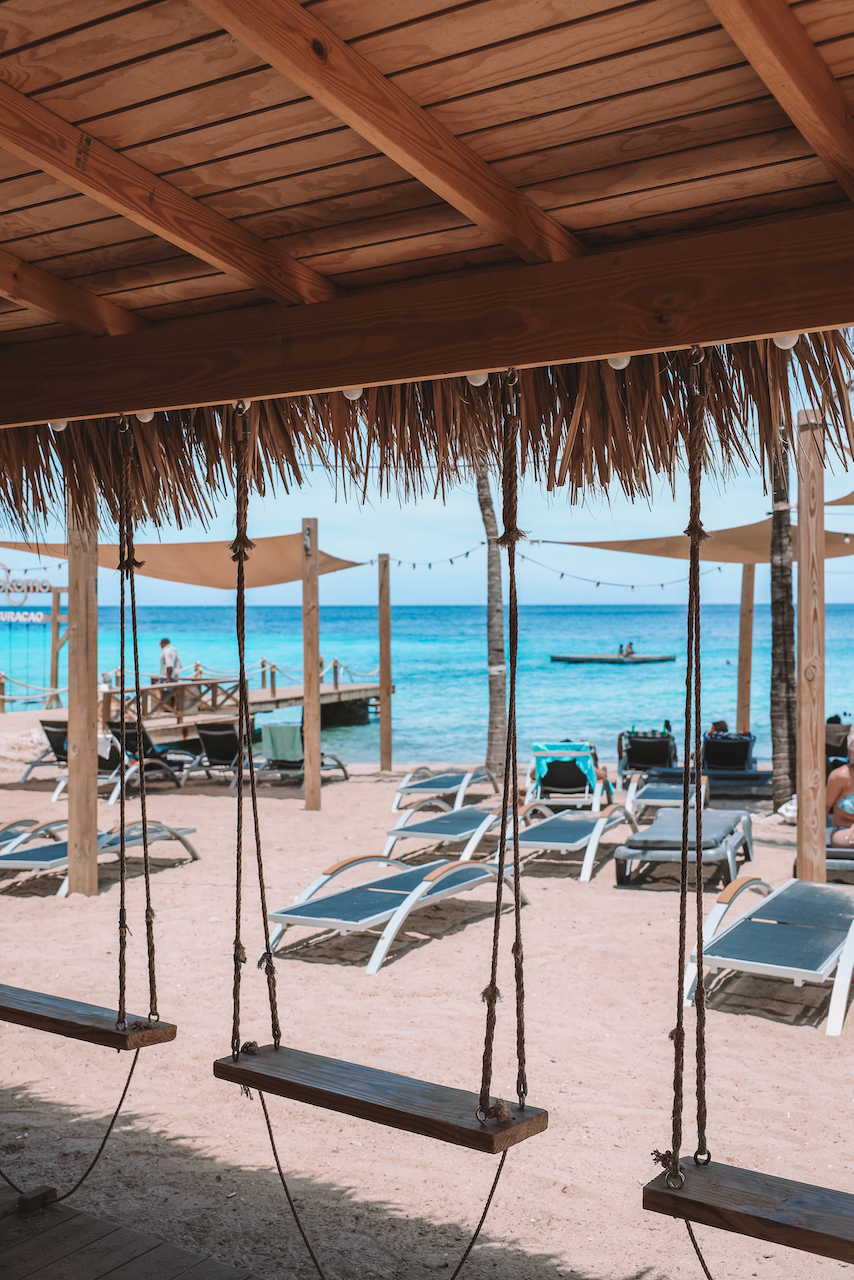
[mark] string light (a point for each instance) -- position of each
(477, 379)
(619, 362)
(421, 564)
(352, 393)
(57, 426)
(145, 415)
(785, 341)
(630, 586)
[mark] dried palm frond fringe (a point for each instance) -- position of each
(582, 426)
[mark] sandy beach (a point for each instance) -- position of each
(190, 1160)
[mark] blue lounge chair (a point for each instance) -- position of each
(573, 833)
(450, 826)
(425, 785)
(16, 856)
(802, 931)
(725, 833)
(385, 902)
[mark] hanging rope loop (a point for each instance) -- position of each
(491, 994)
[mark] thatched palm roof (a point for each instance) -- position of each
(582, 426)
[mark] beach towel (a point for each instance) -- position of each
(281, 742)
(565, 751)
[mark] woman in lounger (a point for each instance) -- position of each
(840, 800)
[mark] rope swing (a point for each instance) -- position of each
(152, 1024)
(479, 1120)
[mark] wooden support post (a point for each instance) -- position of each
(106, 707)
(263, 673)
(334, 673)
(272, 679)
(56, 643)
(812, 857)
(385, 662)
(82, 709)
(310, 664)
(2, 692)
(745, 648)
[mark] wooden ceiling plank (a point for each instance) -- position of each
(718, 214)
(30, 286)
(780, 50)
(721, 286)
(291, 39)
(79, 159)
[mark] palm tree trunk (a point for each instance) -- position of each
(497, 732)
(784, 741)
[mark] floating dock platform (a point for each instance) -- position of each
(615, 659)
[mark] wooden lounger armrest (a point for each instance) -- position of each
(734, 889)
(360, 857)
(438, 872)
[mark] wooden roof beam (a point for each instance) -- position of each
(52, 144)
(287, 36)
(748, 281)
(24, 283)
(781, 53)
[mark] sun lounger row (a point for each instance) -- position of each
(27, 851)
(220, 755)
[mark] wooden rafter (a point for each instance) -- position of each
(721, 286)
(287, 36)
(79, 159)
(778, 48)
(32, 287)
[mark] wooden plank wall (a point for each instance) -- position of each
(623, 121)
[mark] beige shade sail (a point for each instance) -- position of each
(746, 544)
(847, 500)
(205, 564)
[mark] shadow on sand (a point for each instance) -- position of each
(153, 1181)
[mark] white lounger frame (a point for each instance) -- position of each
(424, 772)
(394, 922)
(841, 959)
(612, 816)
(726, 851)
(489, 822)
(108, 843)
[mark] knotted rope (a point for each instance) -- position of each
(240, 549)
(693, 749)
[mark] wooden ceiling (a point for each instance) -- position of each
(166, 159)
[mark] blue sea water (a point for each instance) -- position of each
(439, 662)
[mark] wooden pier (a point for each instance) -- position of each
(171, 728)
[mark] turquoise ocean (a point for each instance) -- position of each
(439, 665)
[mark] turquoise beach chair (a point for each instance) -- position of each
(564, 773)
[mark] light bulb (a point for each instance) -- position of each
(57, 426)
(145, 415)
(619, 362)
(847, 539)
(785, 341)
(352, 393)
(477, 379)
(241, 405)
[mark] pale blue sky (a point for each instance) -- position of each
(430, 529)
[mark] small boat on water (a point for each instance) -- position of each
(616, 659)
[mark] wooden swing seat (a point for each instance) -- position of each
(80, 1021)
(434, 1110)
(761, 1205)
